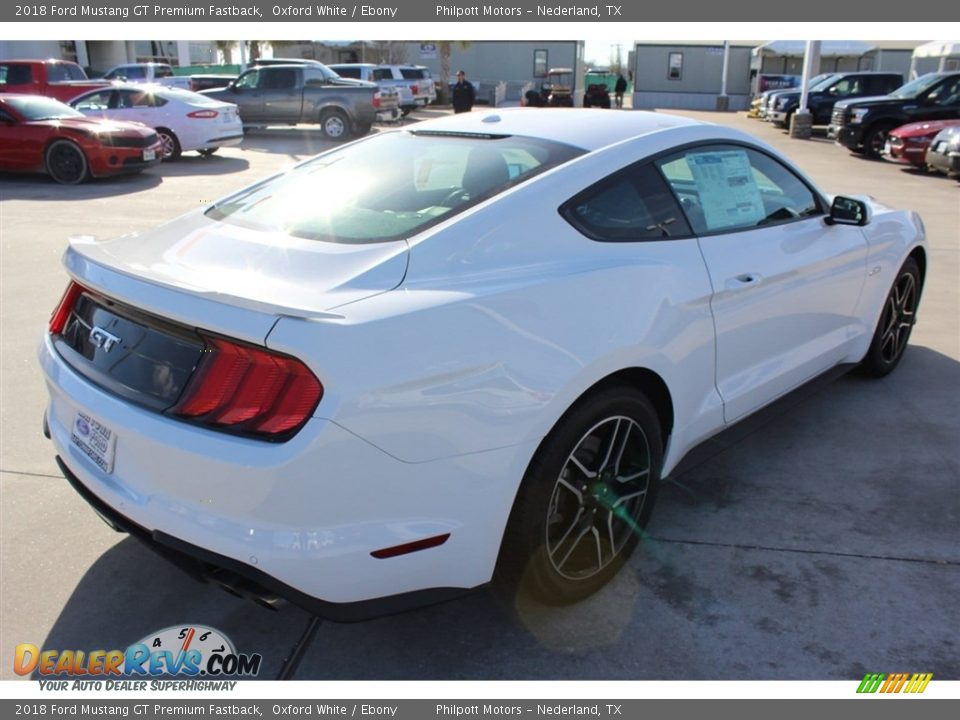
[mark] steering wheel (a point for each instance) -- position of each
(456, 196)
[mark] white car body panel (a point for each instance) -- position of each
(445, 359)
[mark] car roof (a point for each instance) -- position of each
(590, 129)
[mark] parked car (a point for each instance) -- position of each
(416, 86)
(822, 96)
(769, 97)
(304, 93)
(268, 62)
(597, 95)
(944, 153)
(391, 91)
(909, 143)
(58, 79)
(148, 72)
(184, 120)
(376, 384)
(862, 125)
(42, 135)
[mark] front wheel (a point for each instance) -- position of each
(335, 125)
(875, 139)
(169, 144)
(66, 163)
(896, 322)
(584, 499)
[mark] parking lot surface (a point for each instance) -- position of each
(821, 543)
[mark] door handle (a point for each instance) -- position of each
(743, 280)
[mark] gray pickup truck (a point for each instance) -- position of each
(291, 94)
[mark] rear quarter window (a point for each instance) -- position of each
(414, 73)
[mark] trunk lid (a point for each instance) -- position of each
(263, 271)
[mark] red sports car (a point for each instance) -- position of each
(39, 134)
(908, 143)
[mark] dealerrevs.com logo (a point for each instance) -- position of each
(894, 683)
(191, 651)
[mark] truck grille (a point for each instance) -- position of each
(838, 117)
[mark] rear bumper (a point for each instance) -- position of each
(300, 518)
(244, 581)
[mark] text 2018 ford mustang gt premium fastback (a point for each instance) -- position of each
(365, 385)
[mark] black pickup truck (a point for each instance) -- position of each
(291, 94)
(862, 124)
(823, 96)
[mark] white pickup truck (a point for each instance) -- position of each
(149, 72)
(412, 81)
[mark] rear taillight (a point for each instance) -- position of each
(250, 390)
(376, 99)
(58, 321)
(206, 114)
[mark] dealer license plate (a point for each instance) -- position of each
(886, 148)
(96, 440)
(149, 155)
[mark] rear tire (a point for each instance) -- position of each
(896, 322)
(66, 163)
(584, 500)
(335, 125)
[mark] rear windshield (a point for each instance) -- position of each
(389, 187)
(188, 96)
(415, 73)
(62, 72)
(41, 108)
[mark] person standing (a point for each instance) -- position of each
(619, 89)
(463, 94)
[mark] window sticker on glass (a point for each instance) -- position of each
(728, 192)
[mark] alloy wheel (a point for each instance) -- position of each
(898, 317)
(597, 498)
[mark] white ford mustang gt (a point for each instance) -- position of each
(364, 385)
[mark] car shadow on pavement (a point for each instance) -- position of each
(17, 186)
(819, 545)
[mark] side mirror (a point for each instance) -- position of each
(849, 211)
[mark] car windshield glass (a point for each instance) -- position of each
(389, 187)
(41, 108)
(916, 87)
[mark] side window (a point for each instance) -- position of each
(96, 101)
(315, 78)
(16, 74)
(353, 73)
(846, 88)
(126, 99)
(248, 81)
(163, 71)
(947, 94)
(631, 205)
(727, 187)
(379, 74)
(278, 79)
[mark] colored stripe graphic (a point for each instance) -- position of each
(918, 683)
(894, 683)
(871, 682)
